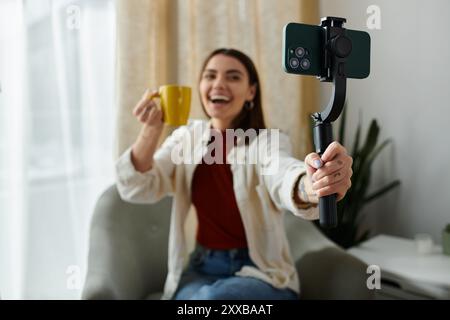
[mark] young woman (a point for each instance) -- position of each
(242, 251)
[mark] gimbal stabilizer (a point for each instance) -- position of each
(337, 48)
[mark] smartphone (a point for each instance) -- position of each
(303, 51)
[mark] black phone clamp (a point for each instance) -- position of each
(337, 47)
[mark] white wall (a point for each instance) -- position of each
(408, 92)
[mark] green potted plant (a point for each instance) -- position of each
(348, 233)
(446, 240)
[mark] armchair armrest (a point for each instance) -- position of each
(127, 248)
(332, 273)
(326, 271)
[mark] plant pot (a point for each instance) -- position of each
(446, 242)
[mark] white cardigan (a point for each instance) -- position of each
(262, 191)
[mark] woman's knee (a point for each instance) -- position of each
(212, 292)
(242, 288)
(225, 289)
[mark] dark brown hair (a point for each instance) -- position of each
(247, 119)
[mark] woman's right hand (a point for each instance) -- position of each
(148, 113)
(151, 117)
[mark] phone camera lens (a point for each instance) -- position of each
(305, 64)
(300, 52)
(293, 62)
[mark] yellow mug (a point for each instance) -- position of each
(175, 104)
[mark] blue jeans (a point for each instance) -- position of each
(210, 276)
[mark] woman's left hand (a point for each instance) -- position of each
(330, 173)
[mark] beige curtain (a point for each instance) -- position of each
(166, 41)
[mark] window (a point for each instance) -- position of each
(59, 139)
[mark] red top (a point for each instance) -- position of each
(219, 220)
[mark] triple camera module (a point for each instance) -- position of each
(300, 58)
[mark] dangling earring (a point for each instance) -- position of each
(249, 105)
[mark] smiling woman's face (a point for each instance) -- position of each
(224, 89)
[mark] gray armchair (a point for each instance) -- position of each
(123, 262)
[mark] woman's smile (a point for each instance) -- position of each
(219, 100)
